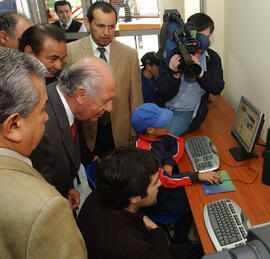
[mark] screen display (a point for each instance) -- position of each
(247, 124)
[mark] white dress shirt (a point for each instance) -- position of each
(67, 109)
(97, 52)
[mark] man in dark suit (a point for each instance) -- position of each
(84, 92)
(66, 23)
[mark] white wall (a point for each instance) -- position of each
(247, 58)
(171, 4)
(191, 7)
(215, 9)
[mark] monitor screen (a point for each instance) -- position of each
(246, 129)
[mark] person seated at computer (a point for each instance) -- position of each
(111, 219)
(66, 23)
(149, 74)
(150, 122)
(188, 100)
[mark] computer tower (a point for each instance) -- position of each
(266, 163)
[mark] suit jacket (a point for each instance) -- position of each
(125, 65)
(56, 157)
(35, 220)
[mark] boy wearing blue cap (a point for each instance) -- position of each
(150, 122)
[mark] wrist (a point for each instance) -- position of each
(201, 74)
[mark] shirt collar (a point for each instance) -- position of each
(141, 136)
(96, 51)
(14, 154)
(69, 113)
(67, 23)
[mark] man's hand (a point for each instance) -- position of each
(149, 224)
(73, 198)
(168, 169)
(173, 65)
(196, 61)
(210, 177)
(96, 159)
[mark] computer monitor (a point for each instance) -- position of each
(246, 130)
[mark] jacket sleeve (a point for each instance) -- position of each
(212, 79)
(54, 233)
(174, 148)
(135, 93)
(177, 180)
(43, 157)
(168, 86)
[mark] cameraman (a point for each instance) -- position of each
(188, 100)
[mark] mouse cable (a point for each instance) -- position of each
(244, 164)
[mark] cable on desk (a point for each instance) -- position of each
(244, 164)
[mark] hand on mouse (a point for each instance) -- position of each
(211, 177)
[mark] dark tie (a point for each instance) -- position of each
(102, 53)
(64, 26)
(73, 130)
(105, 119)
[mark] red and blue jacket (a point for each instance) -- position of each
(169, 149)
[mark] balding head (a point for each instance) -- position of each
(89, 86)
(12, 25)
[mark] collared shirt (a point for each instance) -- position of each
(66, 106)
(14, 154)
(97, 52)
(82, 29)
(189, 95)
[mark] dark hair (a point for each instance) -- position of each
(8, 22)
(202, 21)
(150, 58)
(61, 3)
(35, 36)
(125, 173)
(105, 7)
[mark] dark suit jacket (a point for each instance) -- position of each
(56, 157)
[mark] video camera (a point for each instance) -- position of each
(176, 37)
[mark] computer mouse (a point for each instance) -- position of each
(208, 183)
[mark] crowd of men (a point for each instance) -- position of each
(63, 105)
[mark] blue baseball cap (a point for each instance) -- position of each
(150, 115)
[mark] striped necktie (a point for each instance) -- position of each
(102, 53)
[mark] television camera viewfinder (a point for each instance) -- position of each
(246, 130)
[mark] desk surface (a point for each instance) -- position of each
(254, 198)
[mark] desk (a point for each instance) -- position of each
(254, 199)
